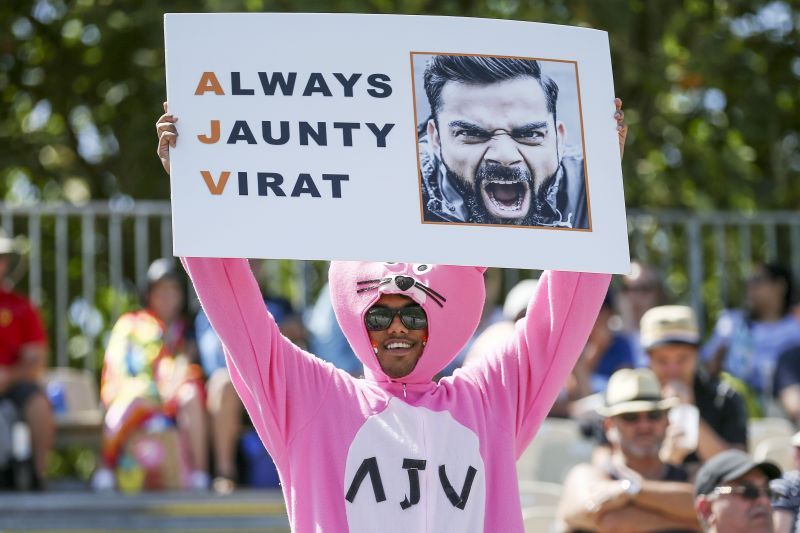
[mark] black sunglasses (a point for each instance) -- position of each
(748, 492)
(380, 318)
(653, 416)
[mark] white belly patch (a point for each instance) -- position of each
(413, 469)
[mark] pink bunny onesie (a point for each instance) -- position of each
(400, 455)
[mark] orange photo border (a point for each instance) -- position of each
(583, 144)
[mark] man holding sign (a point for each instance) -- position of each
(396, 451)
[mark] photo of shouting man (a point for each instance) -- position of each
(494, 146)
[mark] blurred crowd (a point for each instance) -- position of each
(666, 408)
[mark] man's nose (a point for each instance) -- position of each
(503, 150)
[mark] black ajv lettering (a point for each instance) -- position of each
(413, 466)
(368, 467)
(459, 501)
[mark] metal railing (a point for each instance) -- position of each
(86, 264)
(706, 257)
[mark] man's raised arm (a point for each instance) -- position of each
(273, 377)
(528, 373)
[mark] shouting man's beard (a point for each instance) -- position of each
(503, 195)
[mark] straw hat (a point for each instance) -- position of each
(634, 390)
(669, 324)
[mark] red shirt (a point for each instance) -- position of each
(20, 324)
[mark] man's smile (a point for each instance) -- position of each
(398, 347)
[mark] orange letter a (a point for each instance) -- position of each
(209, 83)
(215, 188)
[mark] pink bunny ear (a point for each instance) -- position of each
(481, 269)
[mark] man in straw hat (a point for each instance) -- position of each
(23, 357)
(635, 490)
(671, 338)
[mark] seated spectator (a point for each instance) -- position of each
(671, 337)
(148, 372)
(23, 359)
(746, 342)
(223, 403)
(634, 490)
(786, 491)
(641, 290)
(732, 494)
(787, 382)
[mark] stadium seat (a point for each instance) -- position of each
(539, 505)
(557, 447)
(777, 450)
(760, 429)
(78, 414)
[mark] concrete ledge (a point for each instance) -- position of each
(261, 510)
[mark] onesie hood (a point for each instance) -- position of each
(452, 297)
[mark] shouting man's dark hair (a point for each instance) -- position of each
(483, 70)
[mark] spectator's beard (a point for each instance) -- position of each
(504, 195)
(642, 448)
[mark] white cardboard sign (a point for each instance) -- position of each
(395, 138)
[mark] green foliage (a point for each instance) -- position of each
(710, 90)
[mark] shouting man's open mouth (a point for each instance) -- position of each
(506, 192)
(506, 199)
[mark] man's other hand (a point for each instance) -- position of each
(167, 136)
(622, 128)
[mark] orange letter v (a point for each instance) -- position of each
(215, 188)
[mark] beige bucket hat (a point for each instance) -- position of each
(669, 324)
(634, 390)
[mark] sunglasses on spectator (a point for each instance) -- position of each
(380, 318)
(748, 492)
(652, 416)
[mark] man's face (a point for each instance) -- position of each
(641, 290)
(674, 362)
(165, 299)
(499, 145)
(638, 434)
(734, 513)
(764, 295)
(398, 347)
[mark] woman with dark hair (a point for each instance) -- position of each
(746, 342)
(150, 379)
